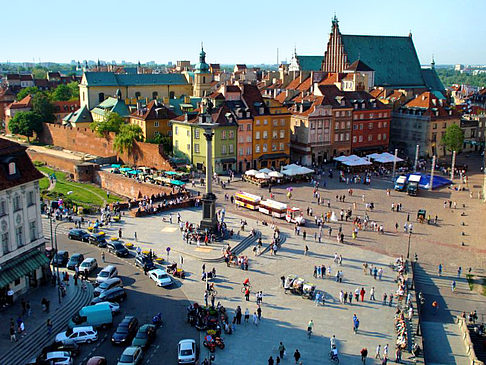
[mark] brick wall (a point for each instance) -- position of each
(86, 141)
(57, 162)
(126, 186)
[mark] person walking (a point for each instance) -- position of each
(259, 313)
(306, 250)
(281, 350)
(355, 323)
(270, 361)
(49, 326)
(362, 294)
(453, 286)
(247, 315)
(247, 294)
(119, 232)
(206, 298)
(378, 352)
(255, 319)
(364, 354)
(372, 293)
(13, 337)
(398, 355)
(385, 352)
(440, 269)
(103, 256)
(296, 356)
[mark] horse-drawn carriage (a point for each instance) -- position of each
(298, 286)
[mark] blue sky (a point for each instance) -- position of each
(232, 31)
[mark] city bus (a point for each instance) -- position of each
(273, 208)
(247, 200)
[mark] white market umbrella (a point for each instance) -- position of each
(262, 175)
(275, 174)
(251, 172)
(266, 171)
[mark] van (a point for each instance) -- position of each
(93, 315)
(106, 285)
(107, 273)
(88, 264)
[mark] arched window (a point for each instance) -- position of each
(101, 97)
(12, 168)
(204, 79)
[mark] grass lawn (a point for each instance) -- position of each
(78, 192)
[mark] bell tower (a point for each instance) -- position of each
(202, 76)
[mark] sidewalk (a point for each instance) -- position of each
(35, 337)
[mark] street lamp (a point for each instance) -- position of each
(408, 250)
(55, 250)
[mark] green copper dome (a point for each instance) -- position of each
(202, 66)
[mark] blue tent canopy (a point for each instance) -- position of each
(125, 169)
(177, 182)
(439, 181)
(170, 173)
(133, 172)
(115, 166)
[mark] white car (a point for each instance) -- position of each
(114, 306)
(59, 358)
(186, 352)
(131, 356)
(78, 334)
(89, 264)
(160, 277)
(107, 273)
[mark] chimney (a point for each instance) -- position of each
(186, 117)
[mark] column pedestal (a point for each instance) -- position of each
(209, 220)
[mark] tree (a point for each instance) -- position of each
(112, 123)
(61, 93)
(43, 107)
(32, 90)
(124, 140)
(453, 138)
(25, 124)
(74, 86)
(39, 72)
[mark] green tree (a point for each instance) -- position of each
(125, 139)
(32, 90)
(453, 138)
(43, 107)
(61, 93)
(25, 124)
(112, 123)
(39, 72)
(74, 86)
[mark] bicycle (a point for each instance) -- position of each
(243, 289)
(333, 357)
(212, 292)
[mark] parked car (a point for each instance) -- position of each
(75, 260)
(98, 239)
(160, 277)
(58, 358)
(114, 306)
(97, 360)
(112, 295)
(131, 356)
(69, 346)
(78, 235)
(125, 331)
(144, 262)
(118, 249)
(186, 352)
(60, 259)
(92, 315)
(106, 285)
(89, 264)
(78, 334)
(107, 273)
(144, 336)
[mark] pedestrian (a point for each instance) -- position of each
(453, 286)
(306, 250)
(362, 294)
(247, 315)
(270, 361)
(281, 350)
(206, 298)
(459, 270)
(135, 236)
(304, 234)
(277, 360)
(296, 356)
(75, 277)
(350, 297)
(259, 313)
(391, 300)
(385, 351)
(119, 232)
(378, 350)
(364, 354)
(28, 308)
(385, 296)
(440, 269)
(103, 256)
(355, 323)
(247, 294)
(213, 297)
(49, 326)
(282, 278)
(255, 319)
(398, 355)
(13, 337)
(372, 293)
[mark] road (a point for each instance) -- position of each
(144, 300)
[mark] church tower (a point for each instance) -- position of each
(335, 57)
(202, 76)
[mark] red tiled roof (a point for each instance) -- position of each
(26, 171)
(154, 111)
(65, 106)
(24, 103)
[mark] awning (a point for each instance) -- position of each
(228, 160)
(21, 266)
(273, 156)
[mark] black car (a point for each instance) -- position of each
(75, 261)
(117, 294)
(144, 262)
(125, 331)
(60, 258)
(78, 235)
(97, 239)
(118, 248)
(70, 346)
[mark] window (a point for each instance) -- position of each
(137, 94)
(30, 198)
(241, 128)
(257, 148)
(348, 124)
(196, 133)
(33, 231)
(223, 135)
(240, 139)
(19, 236)
(16, 203)
(384, 136)
(336, 137)
(248, 151)
(3, 208)
(196, 147)
(282, 133)
(265, 122)
(385, 115)
(370, 137)
(274, 134)
(355, 127)
(379, 137)
(176, 130)
(156, 124)
(223, 149)
(434, 126)
(231, 148)
(379, 124)
(265, 134)
(12, 168)
(5, 247)
(171, 95)
(336, 126)
(257, 135)
(248, 127)
(385, 124)
(231, 134)
(372, 115)
(248, 139)
(355, 139)
(101, 97)
(155, 94)
(347, 137)
(274, 146)
(361, 127)
(341, 137)
(282, 146)
(312, 125)
(361, 116)
(275, 122)
(361, 138)
(380, 115)
(257, 122)
(282, 122)
(264, 148)
(188, 146)
(355, 116)
(177, 144)
(370, 125)
(240, 151)
(444, 125)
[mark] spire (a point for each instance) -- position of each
(410, 33)
(432, 64)
(335, 21)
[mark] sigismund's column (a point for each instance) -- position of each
(209, 220)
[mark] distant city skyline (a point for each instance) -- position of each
(57, 31)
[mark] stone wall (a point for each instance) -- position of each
(86, 141)
(126, 186)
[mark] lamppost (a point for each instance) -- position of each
(408, 250)
(55, 250)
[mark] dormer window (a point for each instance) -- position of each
(12, 168)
